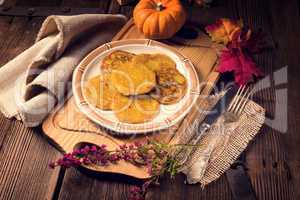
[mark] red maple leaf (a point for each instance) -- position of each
(241, 42)
(236, 61)
(250, 41)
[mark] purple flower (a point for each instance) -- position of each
(137, 144)
(76, 152)
(94, 148)
(123, 147)
(136, 193)
(52, 165)
(149, 154)
(86, 161)
(104, 161)
(85, 150)
(114, 157)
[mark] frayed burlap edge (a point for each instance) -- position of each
(249, 125)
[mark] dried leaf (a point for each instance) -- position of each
(241, 64)
(252, 42)
(224, 30)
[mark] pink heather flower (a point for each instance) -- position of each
(144, 153)
(136, 193)
(76, 152)
(68, 160)
(137, 144)
(98, 156)
(126, 157)
(86, 161)
(114, 158)
(52, 165)
(94, 148)
(85, 150)
(123, 146)
(104, 161)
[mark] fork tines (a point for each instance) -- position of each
(240, 100)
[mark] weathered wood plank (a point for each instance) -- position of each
(19, 36)
(285, 27)
(267, 156)
(37, 3)
(87, 3)
(5, 23)
(8, 3)
(177, 190)
(79, 186)
(24, 154)
(114, 7)
(127, 11)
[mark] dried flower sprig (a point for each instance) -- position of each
(152, 154)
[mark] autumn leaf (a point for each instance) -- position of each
(241, 42)
(224, 30)
(248, 40)
(236, 61)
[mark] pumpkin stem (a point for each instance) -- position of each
(159, 6)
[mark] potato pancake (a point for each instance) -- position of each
(115, 58)
(133, 79)
(135, 109)
(99, 91)
(155, 62)
(171, 86)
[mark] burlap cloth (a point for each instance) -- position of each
(37, 79)
(221, 145)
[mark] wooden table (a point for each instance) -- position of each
(272, 159)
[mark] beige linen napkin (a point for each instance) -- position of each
(37, 79)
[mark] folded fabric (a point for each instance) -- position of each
(38, 79)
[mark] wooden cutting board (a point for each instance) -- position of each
(68, 128)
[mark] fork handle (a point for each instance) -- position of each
(184, 155)
(201, 130)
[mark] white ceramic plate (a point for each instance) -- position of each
(168, 115)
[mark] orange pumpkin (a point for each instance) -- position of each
(159, 19)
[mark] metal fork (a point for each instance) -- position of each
(232, 114)
(237, 105)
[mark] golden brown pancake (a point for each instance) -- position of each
(171, 86)
(155, 62)
(115, 58)
(133, 78)
(135, 109)
(127, 80)
(100, 92)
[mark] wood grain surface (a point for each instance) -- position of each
(272, 159)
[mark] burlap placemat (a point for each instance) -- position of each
(222, 145)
